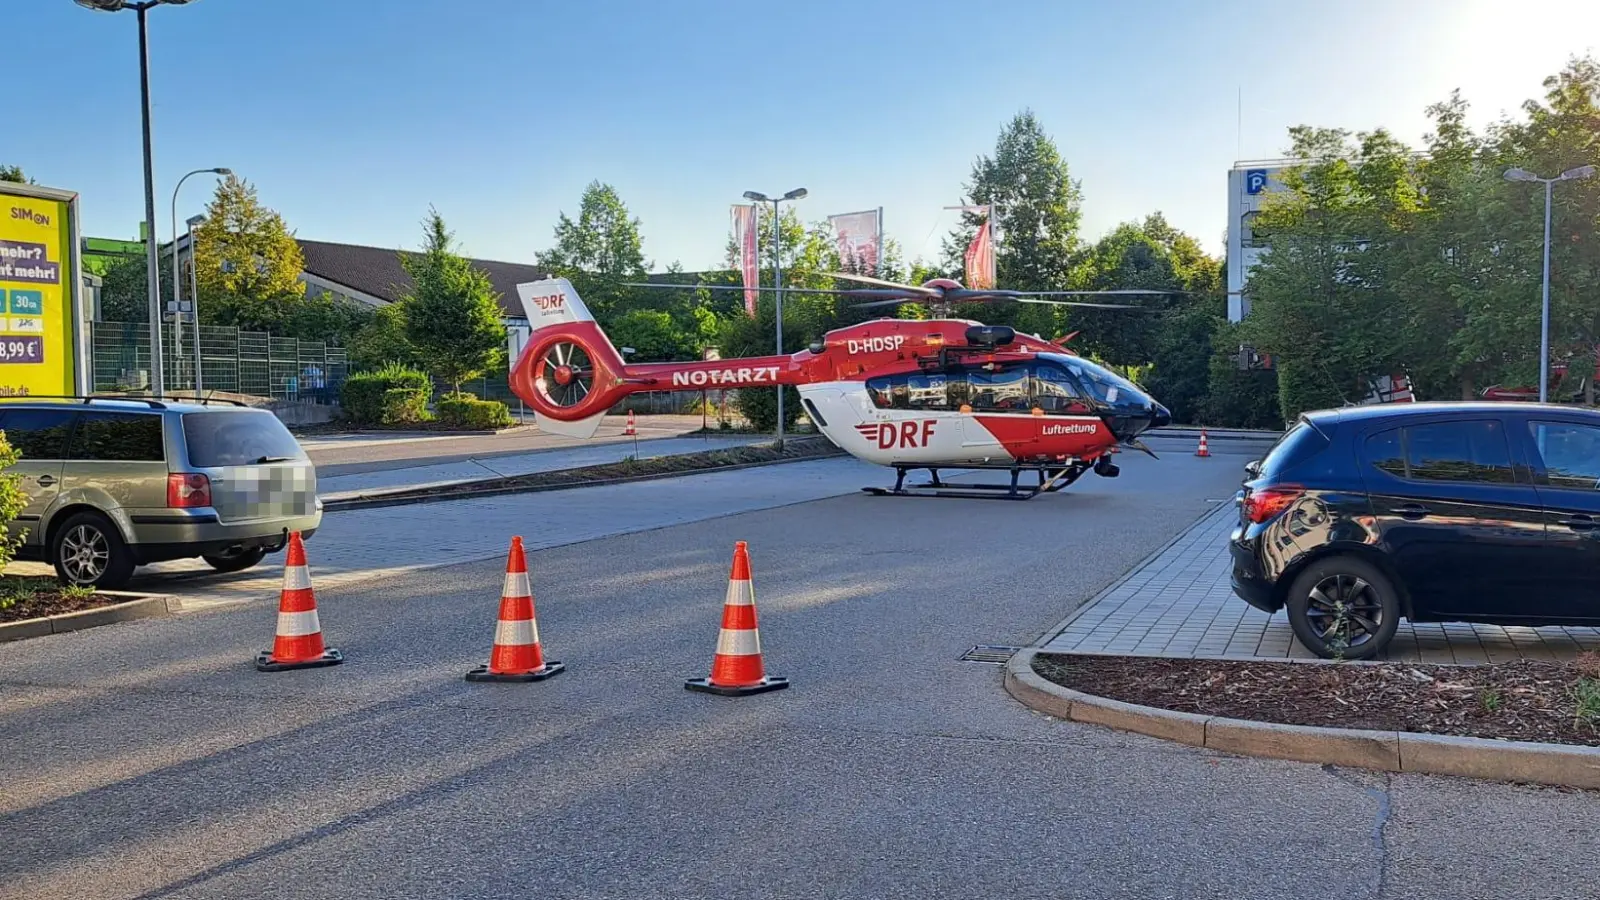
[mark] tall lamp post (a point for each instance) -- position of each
(1518, 174)
(177, 283)
(152, 259)
(194, 298)
(777, 277)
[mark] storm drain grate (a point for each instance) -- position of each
(992, 655)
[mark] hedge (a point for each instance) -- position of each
(463, 410)
(392, 395)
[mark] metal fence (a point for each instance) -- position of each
(242, 362)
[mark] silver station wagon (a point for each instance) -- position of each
(113, 484)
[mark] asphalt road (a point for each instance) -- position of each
(151, 760)
(356, 453)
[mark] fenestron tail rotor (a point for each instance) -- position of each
(565, 375)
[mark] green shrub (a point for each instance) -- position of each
(404, 406)
(366, 396)
(463, 410)
(760, 407)
(12, 502)
(1304, 385)
(1238, 398)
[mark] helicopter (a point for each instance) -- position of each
(910, 394)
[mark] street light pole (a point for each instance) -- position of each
(777, 279)
(194, 299)
(1518, 174)
(1544, 306)
(152, 257)
(177, 282)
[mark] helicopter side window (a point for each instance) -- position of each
(909, 391)
(1001, 390)
(1055, 393)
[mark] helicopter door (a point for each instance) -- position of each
(1002, 409)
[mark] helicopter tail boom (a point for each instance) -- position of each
(571, 374)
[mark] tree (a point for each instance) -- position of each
(598, 251)
(248, 264)
(452, 312)
(125, 290)
(382, 341)
(1384, 260)
(654, 336)
(1038, 217)
(13, 173)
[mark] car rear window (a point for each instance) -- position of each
(237, 438)
(1297, 445)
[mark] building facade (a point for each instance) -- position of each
(1248, 183)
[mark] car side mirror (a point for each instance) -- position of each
(1253, 468)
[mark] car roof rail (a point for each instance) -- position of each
(130, 398)
(86, 398)
(204, 400)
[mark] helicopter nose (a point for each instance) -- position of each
(1160, 416)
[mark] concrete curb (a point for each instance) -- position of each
(1391, 751)
(143, 606)
(478, 488)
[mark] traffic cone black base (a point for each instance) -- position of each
(329, 657)
(551, 667)
(704, 685)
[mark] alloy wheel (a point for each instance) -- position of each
(84, 554)
(1344, 611)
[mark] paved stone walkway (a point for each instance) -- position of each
(1180, 604)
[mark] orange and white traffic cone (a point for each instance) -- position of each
(517, 655)
(298, 644)
(629, 430)
(736, 669)
(1202, 451)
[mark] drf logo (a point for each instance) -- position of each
(1255, 181)
(898, 435)
(550, 303)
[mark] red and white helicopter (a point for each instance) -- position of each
(933, 394)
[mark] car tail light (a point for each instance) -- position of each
(1261, 504)
(188, 490)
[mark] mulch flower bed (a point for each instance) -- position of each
(32, 598)
(1521, 701)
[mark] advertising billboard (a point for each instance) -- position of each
(859, 239)
(41, 293)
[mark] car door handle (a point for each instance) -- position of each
(1412, 511)
(47, 480)
(1578, 523)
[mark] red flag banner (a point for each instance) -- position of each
(980, 260)
(859, 239)
(744, 233)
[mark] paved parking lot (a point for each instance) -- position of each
(1179, 604)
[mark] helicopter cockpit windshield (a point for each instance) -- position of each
(1131, 409)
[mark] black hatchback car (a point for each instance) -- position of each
(1438, 512)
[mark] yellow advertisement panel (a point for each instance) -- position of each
(39, 289)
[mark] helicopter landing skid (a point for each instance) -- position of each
(1051, 479)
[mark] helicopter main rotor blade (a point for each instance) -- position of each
(868, 279)
(770, 290)
(1082, 303)
(1126, 292)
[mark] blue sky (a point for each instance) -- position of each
(352, 117)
